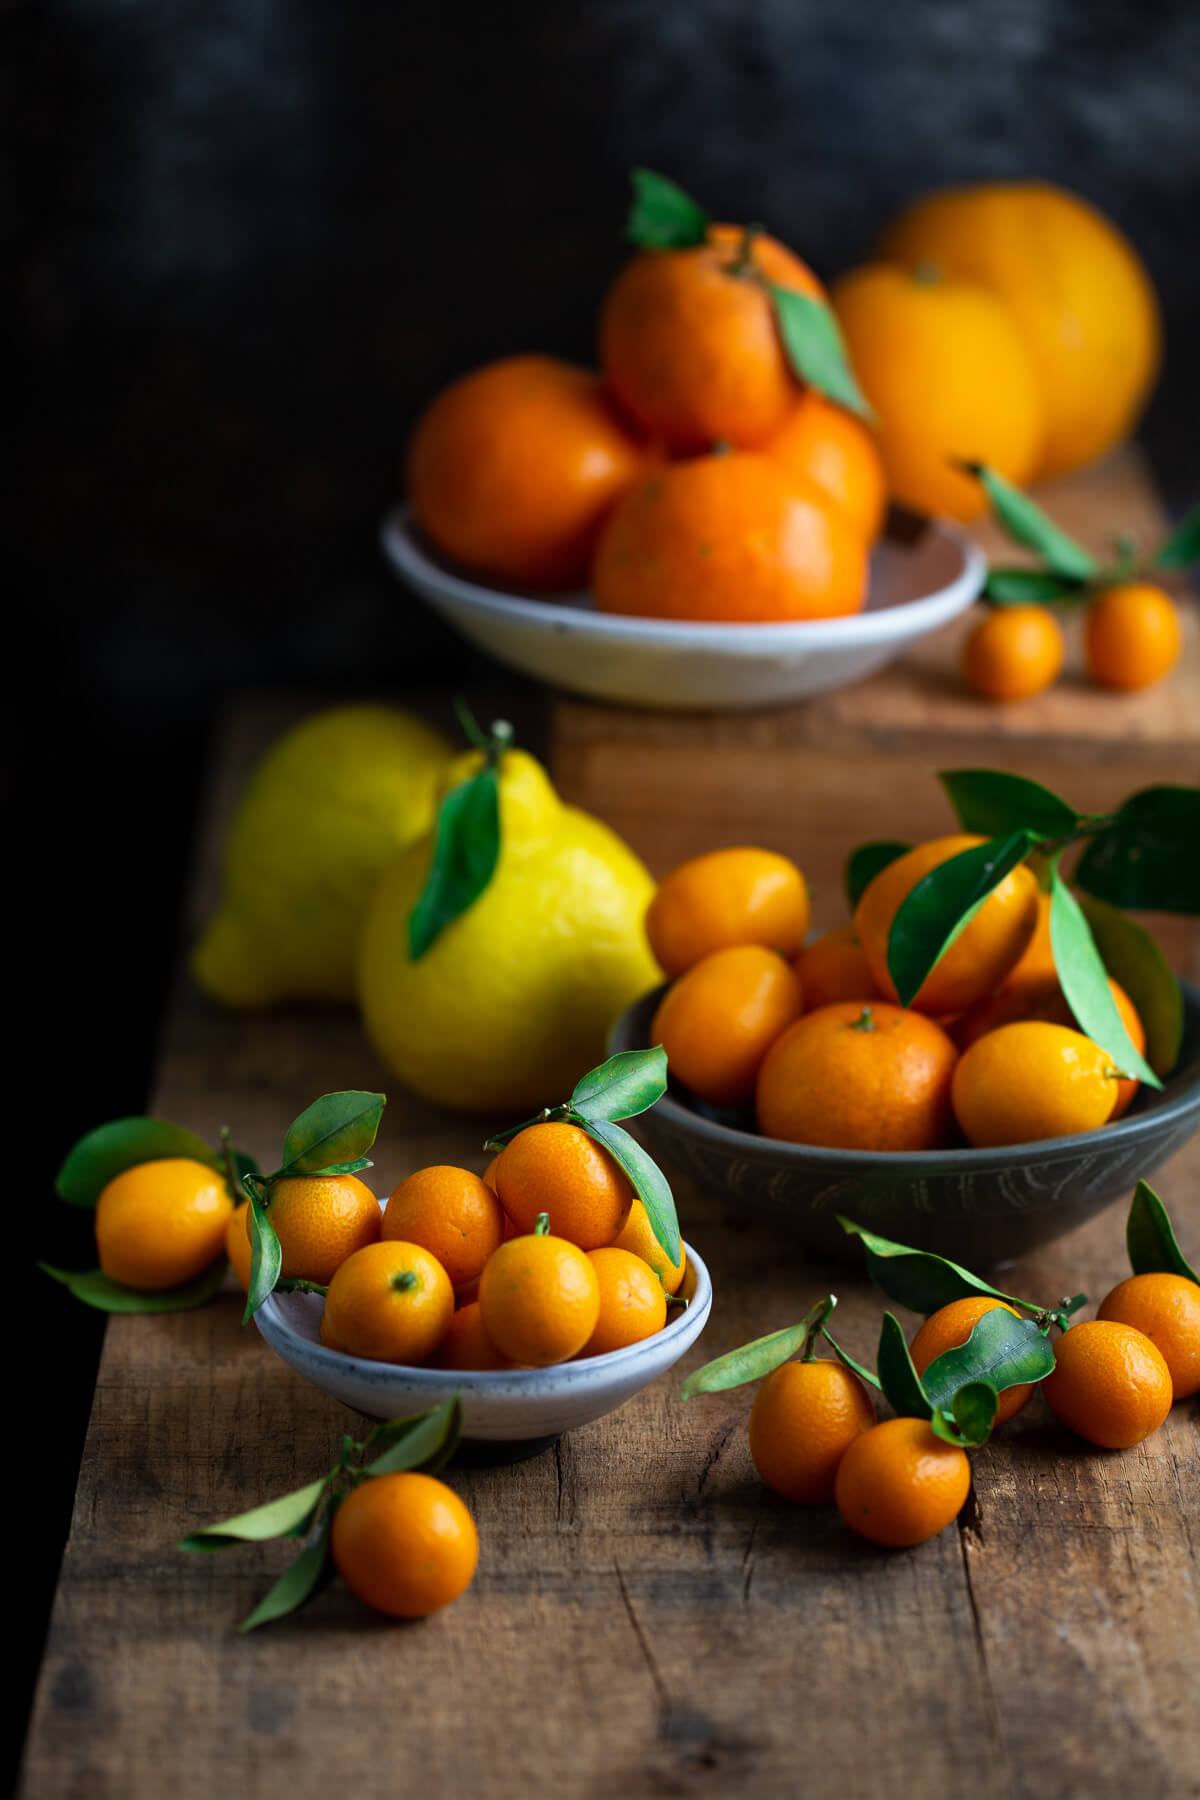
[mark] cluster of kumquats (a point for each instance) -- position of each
(809, 1035)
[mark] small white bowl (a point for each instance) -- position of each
(500, 1406)
(669, 663)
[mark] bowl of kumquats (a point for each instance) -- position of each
(984, 1056)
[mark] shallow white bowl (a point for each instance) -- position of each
(499, 1406)
(914, 588)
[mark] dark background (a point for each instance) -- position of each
(245, 242)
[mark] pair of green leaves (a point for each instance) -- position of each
(627, 1084)
(663, 217)
(1070, 572)
(331, 1137)
(108, 1151)
(423, 1442)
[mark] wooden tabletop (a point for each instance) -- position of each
(647, 1618)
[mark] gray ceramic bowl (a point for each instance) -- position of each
(981, 1207)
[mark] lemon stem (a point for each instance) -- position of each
(815, 1322)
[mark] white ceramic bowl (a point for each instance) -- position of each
(499, 1406)
(915, 587)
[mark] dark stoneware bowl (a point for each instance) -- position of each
(981, 1207)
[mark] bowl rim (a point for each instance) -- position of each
(410, 559)
(981, 1159)
(531, 1382)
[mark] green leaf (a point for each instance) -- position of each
(426, 1442)
(243, 1164)
(649, 1183)
(1134, 960)
(1028, 587)
(107, 1152)
(662, 216)
(971, 1416)
(990, 803)
(1030, 526)
(266, 1257)
(750, 1362)
(310, 1572)
(1149, 857)
(856, 1368)
(865, 863)
(943, 903)
(899, 1380)
(1150, 1238)
(1182, 548)
(626, 1084)
(466, 849)
(96, 1289)
(1004, 1351)
(917, 1278)
(333, 1134)
(1084, 982)
(815, 348)
(289, 1516)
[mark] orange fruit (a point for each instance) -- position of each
(320, 1220)
(948, 377)
(1030, 1080)
(162, 1223)
(898, 1484)
(451, 1213)
(728, 539)
(857, 1077)
(539, 1299)
(467, 1345)
(1040, 996)
(489, 1174)
(557, 1169)
(804, 1418)
(327, 1337)
(637, 1235)
(1166, 1308)
(237, 1244)
(980, 956)
(390, 1303)
(834, 967)
(727, 897)
(1132, 636)
(512, 469)
(689, 343)
(1013, 652)
(952, 1325)
(719, 1019)
(1075, 290)
(829, 449)
(633, 1304)
(405, 1544)
(1109, 1383)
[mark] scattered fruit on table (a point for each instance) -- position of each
(1165, 1306)
(898, 1484)
(1013, 652)
(949, 1327)
(1132, 637)
(327, 810)
(804, 1418)
(1110, 1384)
(160, 1224)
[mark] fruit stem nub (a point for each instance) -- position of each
(542, 1225)
(865, 1020)
(403, 1281)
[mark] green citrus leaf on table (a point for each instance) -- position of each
(1002, 1350)
(843, 1356)
(1150, 1238)
(1028, 587)
(426, 1442)
(864, 864)
(1029, 525)
(1084, 982)
(466, 849)
(1149, 857)
(103, 1154)
(898, 1378)
(917, 1278)
(815, 348)
(1133, 959)
(749, 1362)
(289, 1516)
(96, 1289)
(662, 216)
(266, 1257)
(990, 803)
(970, 1418)
(337, 1129)
(1182, 548)
(311, 1571)
(625, 1085)
(649, 1183)
(943, 903)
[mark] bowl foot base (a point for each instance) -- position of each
(485, 1453)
